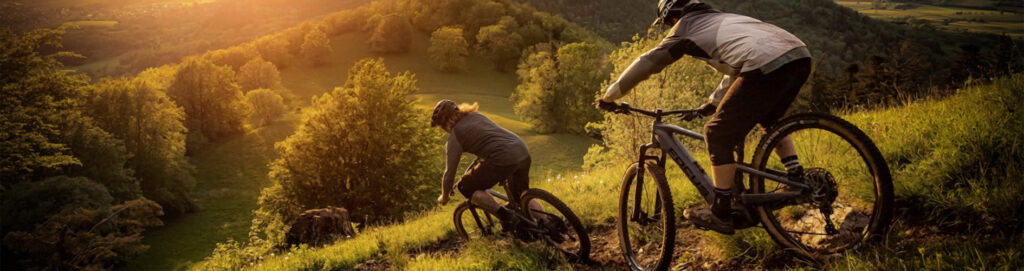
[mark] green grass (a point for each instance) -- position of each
(960, 18)
(229, 179)
(91, 23)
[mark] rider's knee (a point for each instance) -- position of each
(719, 144)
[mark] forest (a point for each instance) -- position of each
(197, 117)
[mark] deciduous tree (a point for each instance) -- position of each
(448, 49)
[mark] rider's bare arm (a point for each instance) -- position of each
(454, 155)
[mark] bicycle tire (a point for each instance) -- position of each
(663, 197)
(818, 127)
(463, 213)
(582, 254)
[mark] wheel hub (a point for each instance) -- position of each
(823, 187)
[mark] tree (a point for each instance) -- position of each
(266, 105)
(152, 128)
(36, 93)
(363, 146)
(274, 49)
(213, 103)
(258, 73)
(557, 89)
(82, 238)
(392, 35)
(233, 57)
(316, 47)
(448, 49)
(501, 45)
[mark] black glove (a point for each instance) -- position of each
(607, 106)
(705, 110)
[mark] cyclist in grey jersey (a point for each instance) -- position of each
(764, 68)
(500, 154)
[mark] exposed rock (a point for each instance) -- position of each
(318, 227)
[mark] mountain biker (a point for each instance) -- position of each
(764, 68)
(500, 154)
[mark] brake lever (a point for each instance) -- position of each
(692, 112)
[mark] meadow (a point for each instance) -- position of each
(968, 17)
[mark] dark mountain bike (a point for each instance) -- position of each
(554, 224)
(844, 200)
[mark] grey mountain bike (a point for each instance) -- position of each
(554, 224)
(843, 200)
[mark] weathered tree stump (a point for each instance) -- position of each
(318, 227)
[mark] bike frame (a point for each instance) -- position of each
(664, 138)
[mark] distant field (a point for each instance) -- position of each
(108, 3)
(91, 23)
(960, 18)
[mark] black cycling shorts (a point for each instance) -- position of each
(484, 175)
(753, 99)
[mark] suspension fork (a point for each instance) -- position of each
(638, 215)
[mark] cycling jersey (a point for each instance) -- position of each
(500, 154)
(731, 43)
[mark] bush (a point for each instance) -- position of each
(392, 35)
(266, 105)
(448, 49)
(364, 147)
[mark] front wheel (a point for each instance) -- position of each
(850, 198)
(646, 221)
(471, 222)
(562, 228)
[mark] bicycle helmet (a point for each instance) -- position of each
(442, 111)
(670, 9)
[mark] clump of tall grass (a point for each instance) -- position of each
(957, 162)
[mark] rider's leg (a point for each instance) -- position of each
(483, 200)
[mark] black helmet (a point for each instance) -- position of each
(442, 110)
(667, 8)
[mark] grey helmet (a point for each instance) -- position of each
(671, 7)
(442, 111)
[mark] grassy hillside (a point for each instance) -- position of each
(232, 174)
(966, 140)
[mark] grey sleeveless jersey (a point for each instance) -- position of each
(730, 43)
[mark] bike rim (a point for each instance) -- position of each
(561, 235)
(468, 226)
(830, 157)
(645, 227)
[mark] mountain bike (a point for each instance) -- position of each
(560, 228)
(843, 200)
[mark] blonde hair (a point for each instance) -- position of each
(464, 109)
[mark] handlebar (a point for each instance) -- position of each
(625, 108)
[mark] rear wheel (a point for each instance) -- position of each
(850, 199)
(563, 229)
(472, 222)
(646, 219)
